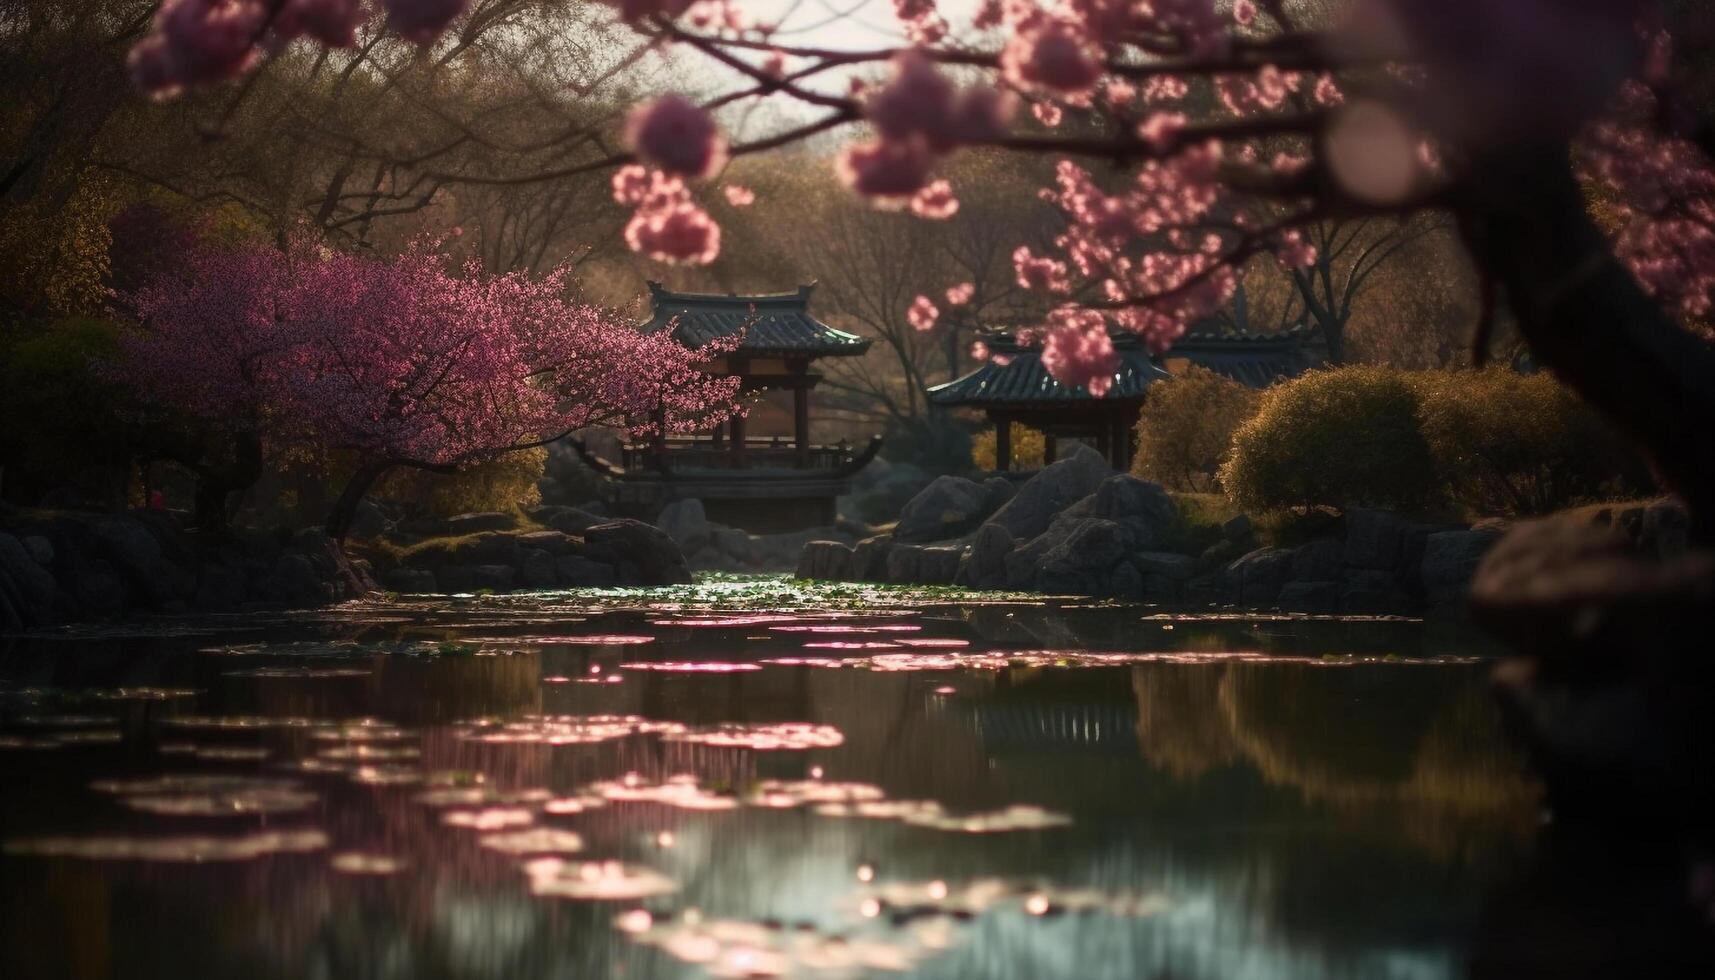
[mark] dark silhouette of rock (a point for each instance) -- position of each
(984, 564)
(1058, 486)
(829, 561)
(643, 553)
(947, 508)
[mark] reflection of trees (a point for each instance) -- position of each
(1352, 737)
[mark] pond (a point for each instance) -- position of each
(750, 777)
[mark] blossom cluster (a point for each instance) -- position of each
(404, 358)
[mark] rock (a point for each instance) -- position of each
(488, 548)
(1372, 602)
(297, 582)
(1450, 560)
(1666, 530)
(643, 554)
(484, 521)
(1387, 542)
(1208, 590)
(1079, 559)
(984, 564)
(40, 548)
(98, 590)
(1220, 554)
(1237, 528)
(568, 520)
(869, 559)
(939, 565)
(947, 508)
(1126, 582)
(686, 523)
(739, 545)
(138, 556)
(1056, 487)
(555, 543)
(413, 581)
(220, 587)
(1000, 490)
(476, 578)
(536, 570)
(712, 559)
(578, 572)
(902, 562)
(1160, 588)
(30, 588)
(1167, 564)
(827, 561)
(1310, 597)
(1143, 510)
(368, 522)
(1368, 579)
(1256, 578)
(1318, 561)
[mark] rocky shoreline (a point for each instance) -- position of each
(1077, 528)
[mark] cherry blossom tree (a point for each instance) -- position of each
(403, 362)
(1237, 126)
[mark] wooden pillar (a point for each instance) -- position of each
(738, 460)
(1050, 447)
(1002, 442)
(801, 421)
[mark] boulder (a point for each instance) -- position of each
(1126, 582)
(1143, 510)
(555, 543)
(1220, 554)
(410, 581)
(1256, 578)
(1208, 590)
(138, 556)
(1450, 560)
(1167, 564)
(686, 523)
(1318, 561)
(476, 578)
(939, 565)
(869, 559)
(1161, 588)
(1387, 542)
(903, 561)
(221, 587)
(536, 570)
(368, 521)
(578, 572)
(948, 507)
(984, 564)
(483, 521)
(98, 589)
(1058, 486)
(296, 581)
(737, 544)
(40, 548)
(1079, 558)
(30, 588)
(644, 554)
(1666, 531)
(1000, 490)
(827, 561)
(1310, 597)
(568, 520)
(1237, 528)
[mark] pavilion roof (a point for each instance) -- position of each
(1022, 380)
(1256, 360)
(773, 324)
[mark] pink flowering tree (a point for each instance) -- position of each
(1235, 125)
(404, 362)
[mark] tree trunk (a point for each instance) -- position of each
(1587, 320)
(344, 510)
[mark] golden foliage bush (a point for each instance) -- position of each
(1343, 437)
(1509, 443)
(1186, 428)
(503, 484)
(1029, 448)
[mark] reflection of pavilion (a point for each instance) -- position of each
(1021, 390)
(760, 484)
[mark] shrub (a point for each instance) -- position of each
(1186, 429)
(935, 444)
(1029, 448)
(1507, 443)
(1343, 437)
(503, 484)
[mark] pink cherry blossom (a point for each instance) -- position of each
(739, 197)
(1244, 12)
(680, 233)
(675, 134)
(935, 202)
(1052, 55)
(704, 14)
(922, 314)
(1046, 113)
(979, 351)
(332, 22)
(916, 102)
(194, 42)
(887, 172)
(1077, 351)
(1042, 273)
(982, 113)
(960, 294)
(1161, 130)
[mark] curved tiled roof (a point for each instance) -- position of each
(1024, 381)
(772, 324)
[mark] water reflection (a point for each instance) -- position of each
(1000, 790)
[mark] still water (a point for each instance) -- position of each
(744, 778)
